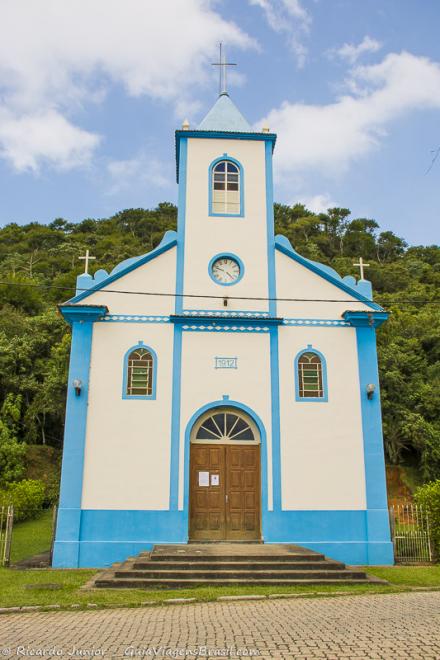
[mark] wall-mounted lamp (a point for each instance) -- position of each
(370, 390)
(77, 384)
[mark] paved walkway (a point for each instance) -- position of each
(376, 626)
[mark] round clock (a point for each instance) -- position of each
(226, 269)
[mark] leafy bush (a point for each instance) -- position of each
(27, 498)
(12, 452)
(428, 496)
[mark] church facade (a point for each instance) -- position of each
(244, 406)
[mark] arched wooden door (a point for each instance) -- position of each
(225, 490)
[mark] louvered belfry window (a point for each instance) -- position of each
(140, 373)
(310, 376)
(226, 188)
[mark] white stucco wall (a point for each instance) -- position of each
(158, 275)
(208, 236)
(295, 281)
(322, 460)
(249, 384)
(127, 453)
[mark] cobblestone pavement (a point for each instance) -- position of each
(377, 626)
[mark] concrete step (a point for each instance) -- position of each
(170, 583)
(172, 566)
(235, 565)
(215, 575)
(234, 558)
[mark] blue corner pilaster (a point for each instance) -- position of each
(275, 414)
(380, 550)
(66, 547)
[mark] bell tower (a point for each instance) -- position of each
(225, 214)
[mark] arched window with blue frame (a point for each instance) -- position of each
(140, 373)
(310, 375)
(226, 187)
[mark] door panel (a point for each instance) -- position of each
(243, 490)
(207, 503)
(231, 509)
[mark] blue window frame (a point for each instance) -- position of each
(139, 373)
(226, 187)
(310, 375)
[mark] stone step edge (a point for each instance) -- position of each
(134, 583)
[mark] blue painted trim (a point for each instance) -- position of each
(226, 255)
(214, 321)
(169, 241)
(365, 319)
(219, 327)
(218, 312)
(75, 437)
(73, 313)
(140, 344)
(316, 399)
(282, 244)
(134, 318)
(175, 418)
(375, 481)
(275, 414)
(108, 536)
(211, 213)
(181, 221)
(183, 135)
(270, 224)
(227, 403)
(371, 419)
(326, 323)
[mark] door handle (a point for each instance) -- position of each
(226, 498)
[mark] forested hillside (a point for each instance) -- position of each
(34, 339)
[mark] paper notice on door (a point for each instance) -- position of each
(215, 479)
(203, 478)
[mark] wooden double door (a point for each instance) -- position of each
(224, 492)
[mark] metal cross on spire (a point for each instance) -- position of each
(361, 265)
(86, 258)
(222, 64)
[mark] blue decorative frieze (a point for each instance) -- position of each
(329, 323)
(135, 318)
(226, 362)
(228, 314)
(224, 328)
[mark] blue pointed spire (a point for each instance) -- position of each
(225, 116)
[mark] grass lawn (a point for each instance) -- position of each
(14, 587)
(31, 537)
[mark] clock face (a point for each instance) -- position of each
(226, 270)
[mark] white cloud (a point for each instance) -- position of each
(142, 170)
(352, 52)
(28, 140)
(318, 203)
(328, 138)
(56, 57)
(290, 17)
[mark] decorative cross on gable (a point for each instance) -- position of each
(222, 64)
(361, 265)
(86, 258)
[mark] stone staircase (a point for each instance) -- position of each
(171, 566)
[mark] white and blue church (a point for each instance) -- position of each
(242, 407)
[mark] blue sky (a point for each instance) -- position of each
(92, 91)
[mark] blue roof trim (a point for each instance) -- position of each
(168, 241)
(222, 135)
(348, 285)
